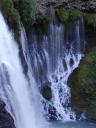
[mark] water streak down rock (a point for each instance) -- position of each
(53, 58)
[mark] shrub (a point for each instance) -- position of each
(27, 10)
(11, 15)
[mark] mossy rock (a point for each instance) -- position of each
(41, 24)
(83, 86)
(90, 19)
(27, 10)
(65, 15)
(18, 13)
(62, 15)
(11, 15)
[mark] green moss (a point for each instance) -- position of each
(27, 10)
(90, 18)
(83, 84)
(17, 12)
(41, 20)
(75, 13)
(41, 24)
(67, 15)
(62, 15)
(11, 15)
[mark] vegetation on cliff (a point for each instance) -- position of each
(11, 15)
(18, 12)
(83, 80)
(83, 85)
(27, 10)
(67, 15)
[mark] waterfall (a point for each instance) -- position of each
(54, 56)
(16, 90)
(48, 60)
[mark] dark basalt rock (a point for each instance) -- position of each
(71, 62)
(6, 121)
(2, 105)
(46, 91)
(84, 5)
(53, 114)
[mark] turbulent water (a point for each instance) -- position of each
(54, 56)
(48, 60)
(17, 91)
(80, 124)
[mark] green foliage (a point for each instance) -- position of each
(87, 76)
(83, 84)
(90, 18)
(75, 13)
(67, 15)
(17, 12)
(10, 13)
(40, 25)
(11, 16)
(27, 10)
(41, 20)
(62, 15)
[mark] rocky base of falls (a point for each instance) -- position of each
(6, 121)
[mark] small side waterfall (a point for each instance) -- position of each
(17, 91)
(54, 57)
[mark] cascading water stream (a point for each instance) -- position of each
(15, 89)
(54, 57)
(50, 60)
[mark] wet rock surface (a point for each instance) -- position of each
(46, 91)
(6, 121)
(84, 5)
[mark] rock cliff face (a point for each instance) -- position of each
(6, 121)
(84, 5)
(83, 86)
(12, 14)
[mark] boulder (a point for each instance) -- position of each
(46, 91)
(6, 121)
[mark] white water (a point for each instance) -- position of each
(54, 57)
(53, 60)
(59, 78)
(15, 89)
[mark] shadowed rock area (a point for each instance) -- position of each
(84, 5)
(46, 91)
(6, 121)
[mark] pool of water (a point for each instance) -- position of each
(77, 124)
